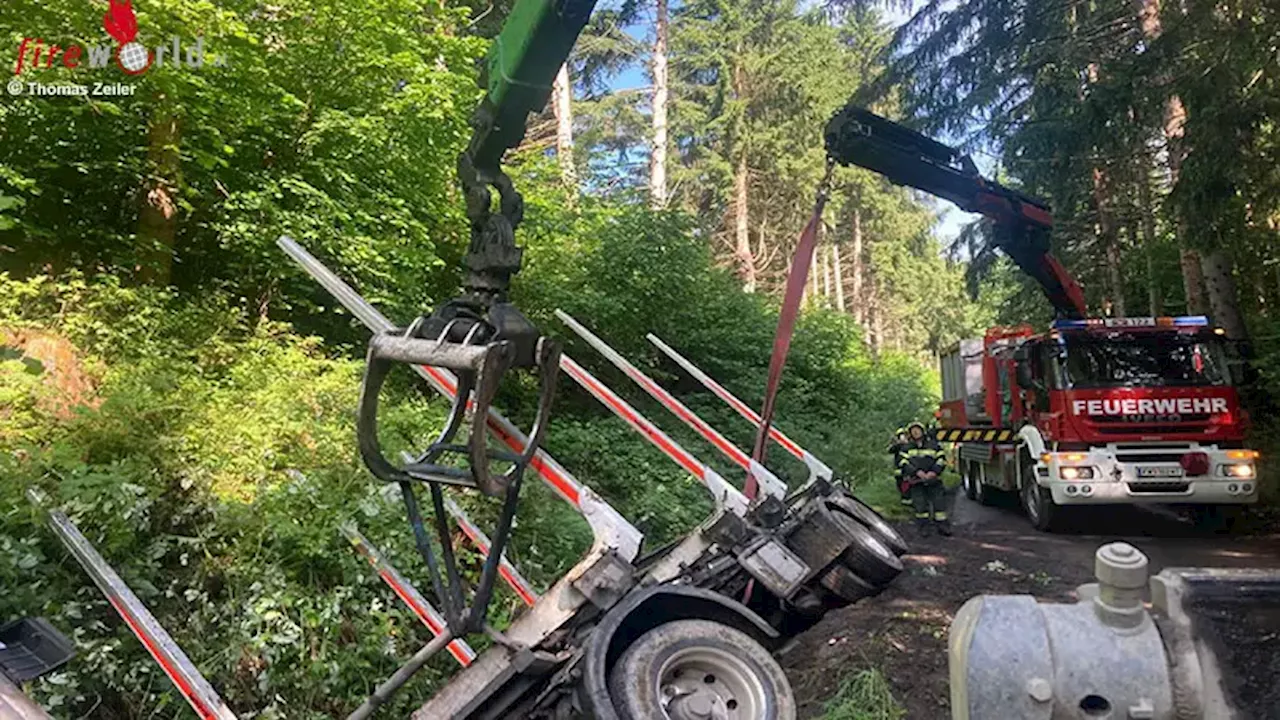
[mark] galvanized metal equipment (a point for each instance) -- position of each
(1110, 656)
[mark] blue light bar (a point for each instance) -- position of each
(1069, 324)
(1182, 321)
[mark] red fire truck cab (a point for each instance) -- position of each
(1099, 411)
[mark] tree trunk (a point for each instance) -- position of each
(828, 292)
(158, 219)
(1175, 117)
(877, 321)
(742, 234)
(562, 106)
(835, 252)
(1219, 280)
(658, 151)
(1110, 240)
(855, 279)
(1192, 278)
(1155, 301)
(1147, 212)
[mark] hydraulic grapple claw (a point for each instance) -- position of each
(479, 368)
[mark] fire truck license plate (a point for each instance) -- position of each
(1159, 472)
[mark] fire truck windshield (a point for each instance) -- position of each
(1139, 360)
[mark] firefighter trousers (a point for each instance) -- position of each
(929, 502)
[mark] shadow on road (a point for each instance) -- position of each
(1167, 538)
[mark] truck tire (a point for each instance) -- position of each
(690, 669)
(853, 507)
(1037, 502)
(982, 492)
(867, 556)
(844, 587)
(967, 472)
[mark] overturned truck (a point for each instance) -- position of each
(685, 630)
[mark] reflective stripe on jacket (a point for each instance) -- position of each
(926, 456)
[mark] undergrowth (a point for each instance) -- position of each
(865, 695)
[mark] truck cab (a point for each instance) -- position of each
(1101, 411)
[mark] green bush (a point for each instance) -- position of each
(175, 466)
(177, 476)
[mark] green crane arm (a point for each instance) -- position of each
(519, 70)
(856, 136)
(518, 73)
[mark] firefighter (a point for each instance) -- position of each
(922, 464)
(896, 447)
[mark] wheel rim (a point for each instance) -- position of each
(1031, 498)
(705, 683)
(875, 545)
(979, 487)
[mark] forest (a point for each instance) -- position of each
(174, 383)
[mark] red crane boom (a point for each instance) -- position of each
(856, 136)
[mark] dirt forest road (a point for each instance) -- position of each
(903, 632)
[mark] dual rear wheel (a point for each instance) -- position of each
(870, 562)
(973, 475)
(699, 670)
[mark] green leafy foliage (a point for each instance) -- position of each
(195, 366)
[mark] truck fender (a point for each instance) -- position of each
(646, 609)
(1034, 444)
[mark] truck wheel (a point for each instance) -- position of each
(690, 669)
(967, 479)
(867, 556)
(981, 490)
(844, 587)
(1037, 501)
(853, 507)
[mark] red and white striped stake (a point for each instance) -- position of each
(771, 484)
(190, 683)
(817, 468)
(407, 593)
(725, 495)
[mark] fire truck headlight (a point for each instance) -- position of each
(1237, 470)
(1076, 473)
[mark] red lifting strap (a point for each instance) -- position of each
(786, 325)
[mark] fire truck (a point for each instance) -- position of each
(1094, 410)
(1099, 411)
